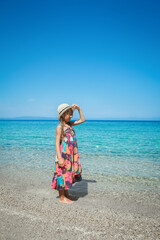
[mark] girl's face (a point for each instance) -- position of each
(68, 115)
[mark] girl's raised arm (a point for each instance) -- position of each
(82, 118)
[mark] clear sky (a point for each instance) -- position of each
(102, 55)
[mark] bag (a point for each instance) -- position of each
(56, 159)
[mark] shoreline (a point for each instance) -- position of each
(30, 209)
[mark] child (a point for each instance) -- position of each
(67, 164)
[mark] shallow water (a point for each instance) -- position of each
(112, 151)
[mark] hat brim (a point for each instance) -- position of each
(65, 111)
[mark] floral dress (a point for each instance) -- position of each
(64, 177)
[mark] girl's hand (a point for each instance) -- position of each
(75, 106)
(61, 162)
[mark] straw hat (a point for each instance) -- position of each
(62, 108)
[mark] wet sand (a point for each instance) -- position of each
(30, 209)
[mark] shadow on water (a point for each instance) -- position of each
(80, 189)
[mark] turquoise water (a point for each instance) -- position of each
(106, 148)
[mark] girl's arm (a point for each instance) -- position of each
(58, 136)
(82, 118)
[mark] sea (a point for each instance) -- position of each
(116, 154)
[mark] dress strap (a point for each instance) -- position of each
(69, 126)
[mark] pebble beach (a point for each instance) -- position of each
(118, 197)
(31, 210)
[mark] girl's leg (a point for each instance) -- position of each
(62, 197)
(61, 194)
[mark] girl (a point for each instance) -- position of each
(67, 165)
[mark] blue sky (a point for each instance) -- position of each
(102, 55)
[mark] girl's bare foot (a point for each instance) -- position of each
(65, 200)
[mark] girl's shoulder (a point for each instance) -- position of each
(66, 126)
(58, 127)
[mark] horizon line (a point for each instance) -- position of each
(54, 119)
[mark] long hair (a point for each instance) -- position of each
(61, 120)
